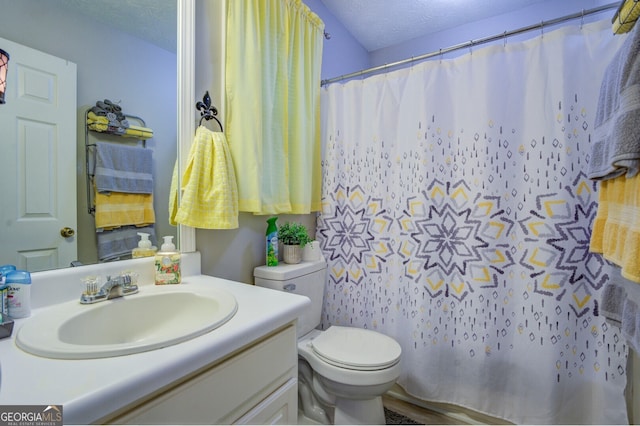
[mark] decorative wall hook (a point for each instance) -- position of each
(207, 111)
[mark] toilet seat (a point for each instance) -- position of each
(356, 349)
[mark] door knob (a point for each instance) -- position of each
(67, 232)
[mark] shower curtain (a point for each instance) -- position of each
(456, 218)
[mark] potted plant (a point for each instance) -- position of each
(294, 237)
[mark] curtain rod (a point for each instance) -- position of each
(473, 43)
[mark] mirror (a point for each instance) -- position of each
(113, 62)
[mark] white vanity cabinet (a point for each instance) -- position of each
(244, 371)
(255, 385)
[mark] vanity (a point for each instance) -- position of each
(244, 371)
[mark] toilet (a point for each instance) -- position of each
(342, 371)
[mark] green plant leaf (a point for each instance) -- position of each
(292, 233)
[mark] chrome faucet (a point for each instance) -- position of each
(116, 287)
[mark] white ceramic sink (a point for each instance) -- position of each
(156, 317)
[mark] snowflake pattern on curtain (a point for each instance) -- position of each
(457, 221)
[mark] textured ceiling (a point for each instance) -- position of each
(374, 23)
(382, 23)
(151, 20)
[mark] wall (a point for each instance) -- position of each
(233, 254)
(527, 16)
(342, 53)
(111, 65)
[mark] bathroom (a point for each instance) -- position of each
(233, 254)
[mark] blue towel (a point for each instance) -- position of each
(117, 243)
(121, 168)
(615, 150)
(620, 305)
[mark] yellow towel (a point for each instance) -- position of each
(616, 229)
(210, 192)
(626, 17)
(94, 118)
(121, 131)
(100, 123)
(141, 132)
(119, 209)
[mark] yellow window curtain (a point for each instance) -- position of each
(273, 62)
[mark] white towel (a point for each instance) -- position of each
(616, 147)
(121, 168)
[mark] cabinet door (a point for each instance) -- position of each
(279, 408)
(226, 391)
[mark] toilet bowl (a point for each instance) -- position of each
(354, 367)
(342, 371)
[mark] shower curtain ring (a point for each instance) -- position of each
(440, 55)
(505, 38)
(582, 19)
(541, 28)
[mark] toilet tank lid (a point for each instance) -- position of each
(285, 272)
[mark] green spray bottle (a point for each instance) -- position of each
(272, 242)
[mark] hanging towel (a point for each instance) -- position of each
(138, 132)
(122, 168)
(131, 131)
(109, 120)
(616, 148)
(619, 305)
(99, 123)
(120, 209)
(209, 190)
(626, 17)
(117, 243)
(616, 228)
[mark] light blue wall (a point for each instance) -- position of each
(531, 15)
(342, 53)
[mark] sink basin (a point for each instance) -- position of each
(154, 318)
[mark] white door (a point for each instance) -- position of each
(38, 160)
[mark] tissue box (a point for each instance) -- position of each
(6, 326)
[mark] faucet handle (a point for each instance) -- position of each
(131, 278)
(91, 285)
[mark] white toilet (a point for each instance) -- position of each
(342, 371)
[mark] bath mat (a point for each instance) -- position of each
(393, 418)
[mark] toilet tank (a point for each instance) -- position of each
(305, 279)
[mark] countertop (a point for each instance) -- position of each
(90, 389)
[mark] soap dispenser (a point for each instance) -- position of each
(144, 249)
(168, 263)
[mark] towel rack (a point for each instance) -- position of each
(207, 111)
(90, 150)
